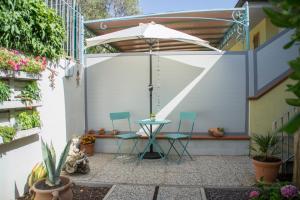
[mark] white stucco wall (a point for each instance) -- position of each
(62, 115)
(118, 82)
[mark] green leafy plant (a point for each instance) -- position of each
(286, 15)
(32, 27)
(7, 133)
(35, 119)
(49, 157)
(31, 92)
(264, 146)
(5, 92)
(27, 120)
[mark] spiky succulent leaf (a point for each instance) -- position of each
(63, 158)
(47, 157)
(53, 154)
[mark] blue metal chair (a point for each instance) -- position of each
(124, 136)
(189, 117)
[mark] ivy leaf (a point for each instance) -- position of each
(292, 126)
(293, 102)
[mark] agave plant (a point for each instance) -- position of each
(53, 170)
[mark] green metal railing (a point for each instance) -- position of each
(69, 11)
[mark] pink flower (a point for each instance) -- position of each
(15, 52)
(14, 65)
(44, 61)
(253, 194)
(24, 61)
(289, 191)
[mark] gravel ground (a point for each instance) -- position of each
(89, 193)
(227, 193)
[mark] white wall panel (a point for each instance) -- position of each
(119, 83)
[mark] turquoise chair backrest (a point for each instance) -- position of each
(120, 116)
(187, 116)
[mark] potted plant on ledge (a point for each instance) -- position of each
(87, 144)
(266, 165)
(54, 186)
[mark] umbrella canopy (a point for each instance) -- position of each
(150, 31)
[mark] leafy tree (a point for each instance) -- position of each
(99, 9)
(286, 14)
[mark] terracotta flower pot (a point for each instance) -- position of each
(101, 131)
(63, 192)
(216, 132)
(87, 148)
(267, 170)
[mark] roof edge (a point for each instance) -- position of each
(157, 14)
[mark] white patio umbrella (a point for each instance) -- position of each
(151, 33)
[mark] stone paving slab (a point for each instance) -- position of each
(179, 193)
(132, 192)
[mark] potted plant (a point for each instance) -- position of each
(30, 93)
(266, 165)
(7, 133)
(101, 131)
(216, 132)
(53, 186)
(87, 144)
(28, 120)
(5, 92)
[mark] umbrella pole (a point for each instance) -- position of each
(150, 91)
(151, 154)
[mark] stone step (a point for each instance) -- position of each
(195, 147)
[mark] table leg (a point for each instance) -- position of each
(151, 143)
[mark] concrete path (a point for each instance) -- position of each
(138, 192)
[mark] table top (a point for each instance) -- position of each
(153, 122)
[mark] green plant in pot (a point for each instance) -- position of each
(7, 133)
(266, 165)
(30, 93)
(27, 120)
(54, 186)
(5, 92)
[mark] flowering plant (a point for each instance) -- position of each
(16, 61)
(87, 139)
(279, 191)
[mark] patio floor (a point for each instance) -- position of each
(224, 171)
(138, 180)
